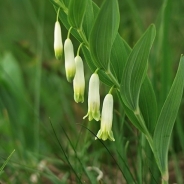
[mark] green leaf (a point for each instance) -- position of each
(148, 105)
(66, 2)
(76, 11)
(102, 75)
(119, 54)
(88, 18)
(59, 4)
(135, 69)
(167, 118)
(104, 32)
(10, 72)
(131, 116)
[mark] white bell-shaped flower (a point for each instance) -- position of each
(79, 80)
(70, 67)
(105, 131)
(58, 44)
(93, 98)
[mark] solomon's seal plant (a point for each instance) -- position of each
(125, 68)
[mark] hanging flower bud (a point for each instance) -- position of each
(105, 131)
(93, 98)
(70, 67)
(79, 81)
(58, 45)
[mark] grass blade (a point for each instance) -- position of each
(66, 157)
(5, 163)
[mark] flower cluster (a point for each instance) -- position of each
(75, 72)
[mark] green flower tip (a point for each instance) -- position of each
(104, 135)
(92, 115)
(58, 53)
(95, 115)
(70, 74)
(78, 98)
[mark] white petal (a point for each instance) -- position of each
(93, 93)
(107, 113)
(58, 45)
(105, 131)
(69, 60)
(79, 80)
(93, 98)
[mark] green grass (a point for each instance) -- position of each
(40, 120)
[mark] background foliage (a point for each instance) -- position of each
(33, 88)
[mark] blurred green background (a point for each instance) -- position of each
(34, 92)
